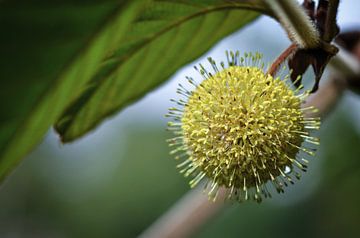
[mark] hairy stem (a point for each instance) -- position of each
(296, 22)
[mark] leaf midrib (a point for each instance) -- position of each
(149, 39)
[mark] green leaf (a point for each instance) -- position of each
(49, 51)
(163, 38)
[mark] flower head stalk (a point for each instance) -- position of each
(241, 129)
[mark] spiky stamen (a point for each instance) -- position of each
(241, 129)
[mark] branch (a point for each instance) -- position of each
(345, 64)
(186, 216)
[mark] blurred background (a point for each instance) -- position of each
(118, 180)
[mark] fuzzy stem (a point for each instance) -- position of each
(296, 22)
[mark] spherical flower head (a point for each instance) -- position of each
(241, 129)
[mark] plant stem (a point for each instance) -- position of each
(296, 22)
(281, 59)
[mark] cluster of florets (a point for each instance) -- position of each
(242, 129)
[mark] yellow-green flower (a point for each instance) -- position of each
(241, 129)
